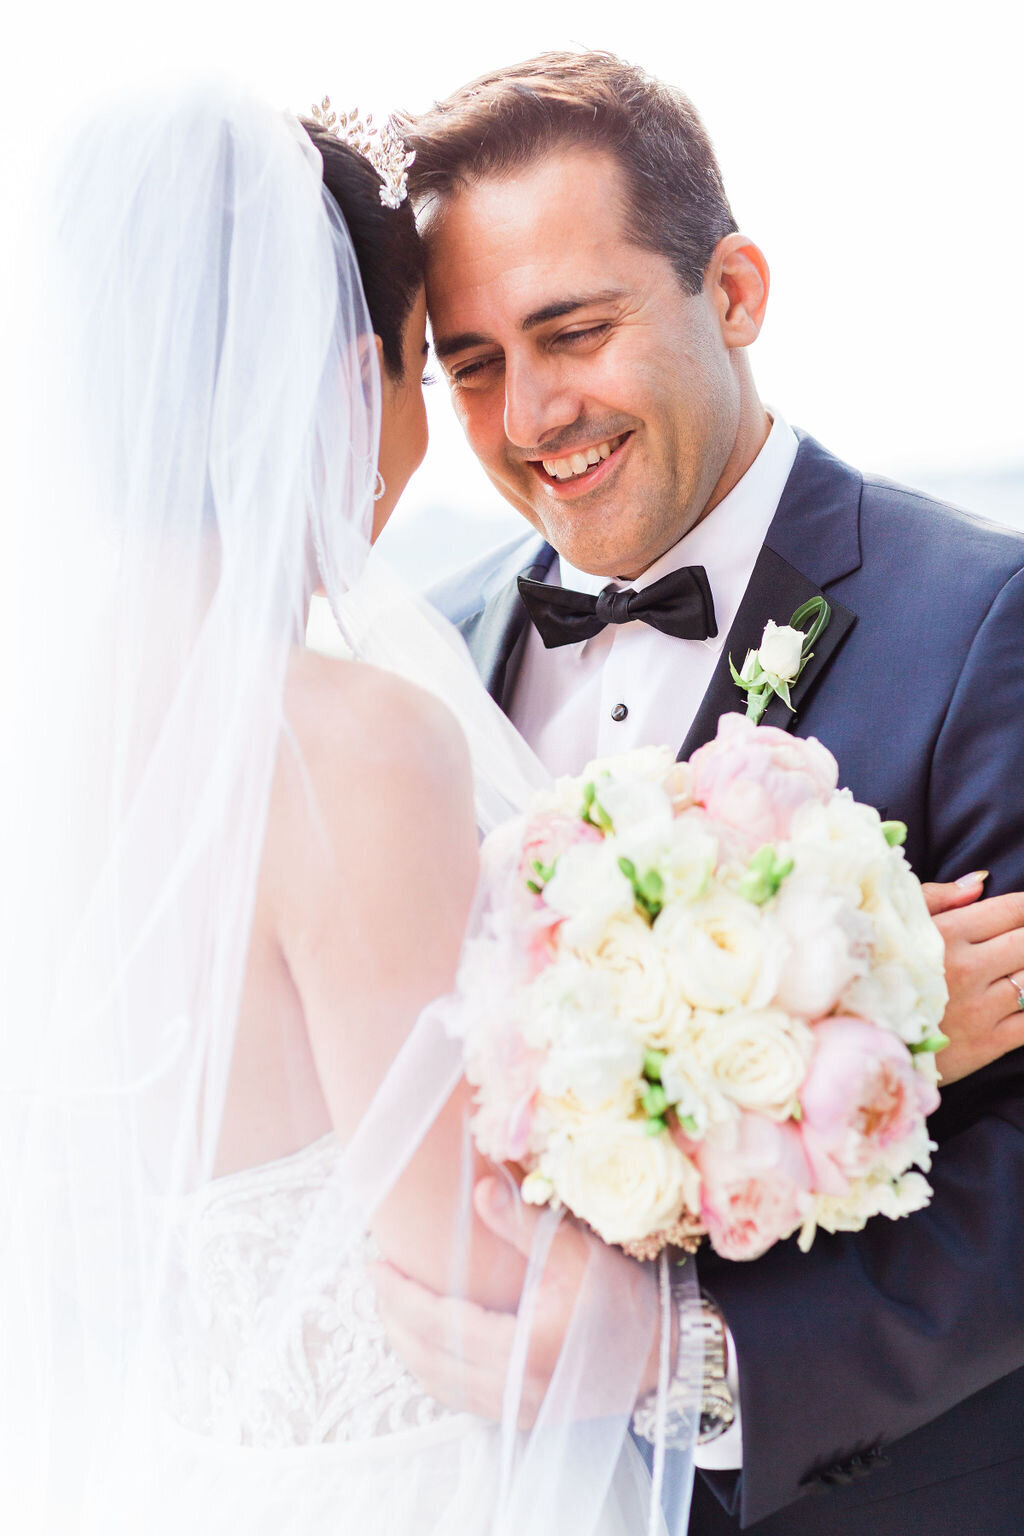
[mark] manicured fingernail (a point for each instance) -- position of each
(498, 1196)
(976, 877)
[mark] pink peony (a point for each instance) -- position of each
(862, 1096)
(753, 1173)
(754, 777)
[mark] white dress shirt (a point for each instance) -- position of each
(564, 698)
(569, 702)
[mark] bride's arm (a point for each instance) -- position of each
(377, 863)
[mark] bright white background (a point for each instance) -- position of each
(872, 149)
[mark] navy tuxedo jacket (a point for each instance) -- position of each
(883, 1372)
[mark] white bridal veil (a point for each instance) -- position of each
(208, 409)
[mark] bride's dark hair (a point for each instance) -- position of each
(385, 241)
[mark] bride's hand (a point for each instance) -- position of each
(461, 1352)
(984, 949)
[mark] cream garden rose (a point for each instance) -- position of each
(729, 953)
(625, 1183)
(645, 979)
(758, 1058)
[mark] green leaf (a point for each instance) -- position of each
(655, 1126)
(818, 611)
(688, 1124)
(654, 1100)
(653, 1063)
(933, 1044)
(531, 885)
(895, 833)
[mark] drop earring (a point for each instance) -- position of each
(380, 487)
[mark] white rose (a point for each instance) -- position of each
(589, 889)
(903, 987)
(841, 842)
(691, 1091)
(634, 804)
(653, 763)
(780, 650)
(689, 859)
(590, 1056)
(623, 1182)
(758, 1058)
(828, 943)
(564, 798)
(866, 1197)
(645, 979)
(730, 951)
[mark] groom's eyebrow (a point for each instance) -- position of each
(447, 346)
(562, 307)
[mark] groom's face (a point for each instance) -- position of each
(600, 397)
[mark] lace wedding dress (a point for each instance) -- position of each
(327, 1432)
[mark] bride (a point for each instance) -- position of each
(237, 873)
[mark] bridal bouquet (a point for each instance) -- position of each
(705, 1000)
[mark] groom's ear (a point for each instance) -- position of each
(737, 280)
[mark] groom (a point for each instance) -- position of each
(592, 302)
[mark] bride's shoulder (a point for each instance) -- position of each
(372, 774)
(356, 722)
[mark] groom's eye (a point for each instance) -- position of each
(588, 333)
(473, 371)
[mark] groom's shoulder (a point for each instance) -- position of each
(468, 590)
(941, 549)
(904, 530)
(938, 531)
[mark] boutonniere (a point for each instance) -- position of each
(784, 651)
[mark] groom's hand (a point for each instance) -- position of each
(984, 948)
(460, 1352)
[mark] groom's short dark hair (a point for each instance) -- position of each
(676, 200)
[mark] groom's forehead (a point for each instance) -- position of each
(530, 240)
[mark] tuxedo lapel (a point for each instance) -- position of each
(814, 540)
(496, 633)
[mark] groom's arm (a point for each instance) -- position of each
(872, 1335)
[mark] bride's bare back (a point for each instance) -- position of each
(368, 873)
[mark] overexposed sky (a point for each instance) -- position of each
(872, 150)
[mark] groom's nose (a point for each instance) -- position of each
(539, 400)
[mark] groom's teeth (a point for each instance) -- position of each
(579, 463)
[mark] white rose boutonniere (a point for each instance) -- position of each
(777, 663)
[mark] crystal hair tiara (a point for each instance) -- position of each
(383, 148)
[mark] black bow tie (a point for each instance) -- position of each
(679, 604)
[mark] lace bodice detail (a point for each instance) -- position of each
(329, 1375)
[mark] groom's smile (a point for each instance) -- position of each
(603, 399)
